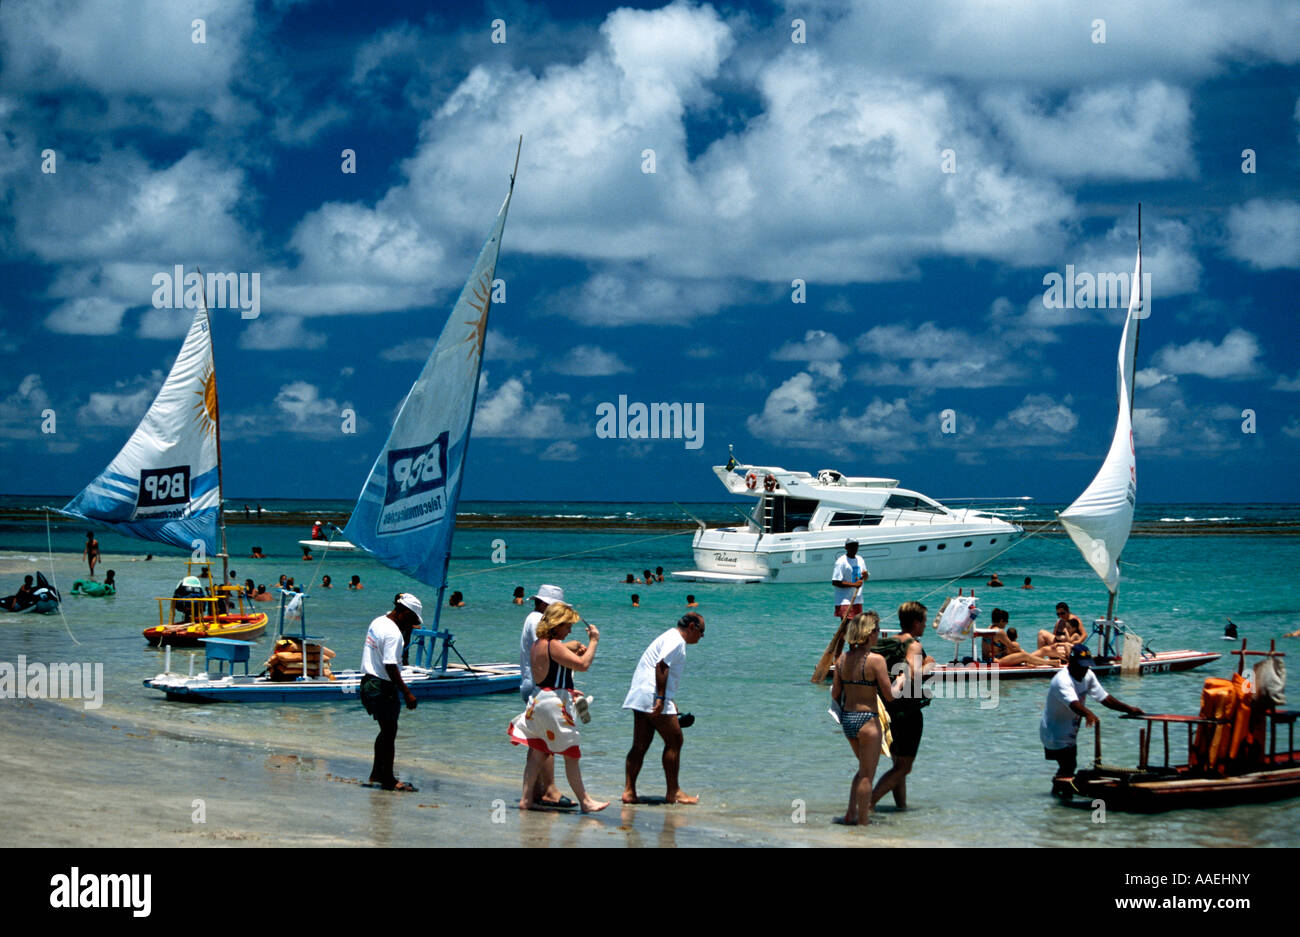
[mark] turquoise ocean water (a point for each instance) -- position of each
(763, 740)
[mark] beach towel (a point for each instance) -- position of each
(1270, 681)
(547, 724)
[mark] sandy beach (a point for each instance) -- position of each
(63, 793)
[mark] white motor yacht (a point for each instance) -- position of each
(800, 523)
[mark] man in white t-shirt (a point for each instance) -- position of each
(1059, 728)
(654, 707)
(849, 575)
(382, 687)
(545, 792)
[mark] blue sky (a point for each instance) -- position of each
(774, 161)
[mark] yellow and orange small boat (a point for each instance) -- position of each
(184, 620)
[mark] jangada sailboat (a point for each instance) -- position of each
(406, 514)
(1100, 520)
(165, 486)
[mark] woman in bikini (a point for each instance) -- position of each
(547, 726)
(860, 675)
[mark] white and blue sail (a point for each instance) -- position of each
(1100, 520)
(406, 514)
(165, 484)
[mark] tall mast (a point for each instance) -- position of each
(1132, 391)
(446, 559)
(1137, 331)
(216, 411)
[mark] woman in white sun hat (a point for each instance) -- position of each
(547, 725)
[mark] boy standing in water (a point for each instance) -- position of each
(91, 552)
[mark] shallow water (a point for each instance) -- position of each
(763, 741)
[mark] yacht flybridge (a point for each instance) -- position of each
(800, 522)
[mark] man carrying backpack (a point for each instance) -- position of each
(905, 718)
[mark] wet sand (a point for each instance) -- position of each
(94, 781)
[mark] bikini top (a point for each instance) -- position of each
(557, 677)
(863, 682)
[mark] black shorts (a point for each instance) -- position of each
(1067, 759)
(380, 698)
(905, 725)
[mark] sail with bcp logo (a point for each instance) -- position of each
(406, 513)
(165, 484)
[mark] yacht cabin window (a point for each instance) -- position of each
(853, 519)
(781, 514)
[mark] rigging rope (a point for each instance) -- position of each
(49, 547)
(316, 572)
(1011, 546)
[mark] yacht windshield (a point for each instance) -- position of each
(912, 503)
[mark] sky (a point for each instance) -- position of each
(831, 227)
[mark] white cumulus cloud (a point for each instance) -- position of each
(589, 361)
(1234, 358)
(1120, 132)
(817, 345)
(1264, 234)
(511, 411)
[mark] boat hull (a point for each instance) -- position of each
(327, 544)
(1151, 792)
(40, 607)
(248, 628)
(423, 683)
(946, 551)
(1162, 662)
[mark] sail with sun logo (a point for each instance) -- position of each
(165, 483)
(406, 514)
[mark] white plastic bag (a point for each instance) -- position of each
(957, 620)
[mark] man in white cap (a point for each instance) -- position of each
(545, 792)
(382, 687)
